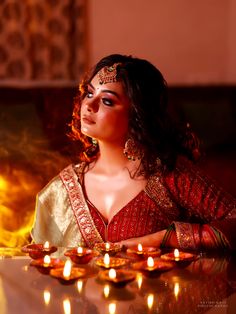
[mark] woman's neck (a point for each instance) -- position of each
(112, 161)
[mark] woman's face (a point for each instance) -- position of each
(105, 112)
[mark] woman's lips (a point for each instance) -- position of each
(88, 120)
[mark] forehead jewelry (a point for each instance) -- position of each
(108, 74)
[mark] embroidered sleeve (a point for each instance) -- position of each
(208, 218)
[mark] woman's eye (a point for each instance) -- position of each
(89, 95)
(107, 102)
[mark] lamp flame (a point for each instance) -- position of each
(107, 246)
(112, 273)
(106, 259)
(150, 261)
(176, 254)
(140, 248)
(46, 245)
(46, 260)
(67, 269)
(79, 250)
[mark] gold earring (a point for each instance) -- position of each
(131, 151)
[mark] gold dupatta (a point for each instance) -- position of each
(79, 206)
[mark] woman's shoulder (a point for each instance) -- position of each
(57, 183)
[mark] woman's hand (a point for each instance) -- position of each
(153, 239)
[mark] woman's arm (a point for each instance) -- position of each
(154, 239)
(209, 213)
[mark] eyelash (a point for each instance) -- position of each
(106, 101)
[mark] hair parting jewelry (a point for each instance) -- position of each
(108, 74)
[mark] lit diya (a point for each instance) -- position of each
(118, 278)
(152, 267)
(180, 258)
(143, 251)
(111, 262)
(67, 274)
(108, 247)
(38, 250)
(44, 265)
(80, 255)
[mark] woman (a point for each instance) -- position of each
(136, 181)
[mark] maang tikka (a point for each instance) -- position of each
(108, 74)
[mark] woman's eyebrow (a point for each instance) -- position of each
(91, 85)
(111, 92)
(106, 90)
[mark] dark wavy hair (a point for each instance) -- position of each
(156, 134)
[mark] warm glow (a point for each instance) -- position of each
(79, 250)
(150, 261)
(107, 246)
(139, 280)
(150, 301)
(112, 308)
(106, 291)
(176, 253)
(66, 306)
(112, 273)
(106, 259)
(80, 285)
(46, 260)
(67, 269)
(140, 248)
(46, 245)
(46, 296)
(3, 184)
(176, 290)
(15, 217)
(26, 164)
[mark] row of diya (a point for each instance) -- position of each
(148, 260)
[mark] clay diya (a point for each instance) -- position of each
(38, 250)
(68, 274)
(44, 265)
(80, 255)
(153, 267)
(111, 262)
(107, 247)
(179, 258)
(143, 251)
(118, 278)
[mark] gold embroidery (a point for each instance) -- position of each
(185, 236)
(156, 190)
(80, 208)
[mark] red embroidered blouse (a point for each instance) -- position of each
(202, 214)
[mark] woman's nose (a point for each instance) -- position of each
(92, 105)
